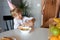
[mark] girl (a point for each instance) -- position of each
(19, 20)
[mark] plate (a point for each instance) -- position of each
(7, 38)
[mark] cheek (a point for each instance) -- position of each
(20, 15)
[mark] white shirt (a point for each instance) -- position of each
(18, 22)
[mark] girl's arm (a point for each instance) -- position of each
(30, 23)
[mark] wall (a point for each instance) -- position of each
(35, 11)
(4, 10)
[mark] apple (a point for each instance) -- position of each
(55, 31)
(51, 27)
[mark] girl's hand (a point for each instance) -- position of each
(19, 27)
(28, 23)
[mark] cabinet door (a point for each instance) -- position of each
(50, 10)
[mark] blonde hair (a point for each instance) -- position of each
(15, 11)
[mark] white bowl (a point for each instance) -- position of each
(25, 29)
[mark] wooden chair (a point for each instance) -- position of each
(1, 30)
(8, 19)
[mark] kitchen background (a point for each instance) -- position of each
(35, 11)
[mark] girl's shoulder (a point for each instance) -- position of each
(15, 19)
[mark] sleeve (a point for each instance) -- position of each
(16, 24)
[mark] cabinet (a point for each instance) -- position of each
(49, 9)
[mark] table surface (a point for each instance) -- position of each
(37, 34)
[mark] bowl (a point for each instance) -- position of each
(25, 29)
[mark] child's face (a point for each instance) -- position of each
(18, 16)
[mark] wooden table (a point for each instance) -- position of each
(37, 34)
